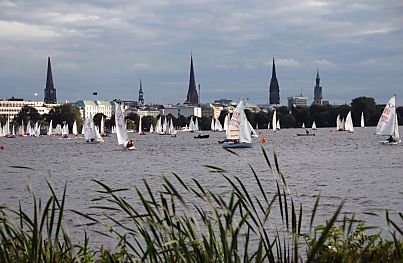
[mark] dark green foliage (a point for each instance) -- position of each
(66, 113)
(27, 113)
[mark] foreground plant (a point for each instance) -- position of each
(186, 222)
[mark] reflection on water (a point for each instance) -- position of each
(338, 165)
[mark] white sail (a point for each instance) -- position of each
(102, 131)
(348, 126)
(278, 125)
(50, 128)
(151, 128)
(362, 120)
(313, 125)
(268, 126)
(75, 131)
(140, 127)
(212, 125)
(196, 124)
(343, 125)
(191, 124)
(252, 131)
(172, 129)
(158, 126)
(217, 125)
(238, 126)
(121, 133)
(387, 124)
(338, 123)
(274, 121)
(303, 125)
(58, 129)
(65, 130)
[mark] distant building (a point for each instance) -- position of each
(192, 96)
(93, 107)
(274, 90)
(211, 110)
(317, 92)
(141, 94)
(224, 102)
(297, 101)
(10, 108)
(184, 110)
(50, 91)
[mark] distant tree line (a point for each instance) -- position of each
(324, 116)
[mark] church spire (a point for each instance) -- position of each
(141, 94)
(274, 90)
(50, 91)
(192, 96)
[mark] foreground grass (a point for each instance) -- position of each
(186, 222)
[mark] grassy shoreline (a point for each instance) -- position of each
(186, 222)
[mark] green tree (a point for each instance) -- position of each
(301, 115)
(365, 105)
(262, 119)
(3, 119)
(27, 113)
(399, 112)
(205, 123)
(250, 116)
(66, 113)
(147, 121)
(182, 121)
(98, 118)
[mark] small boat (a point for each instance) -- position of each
(362, 120)
(388, 124)
(348, 125)
(313, 125)
(202, 136)
(91, 134)
(121, 132)
(239, 134)
(305, 134)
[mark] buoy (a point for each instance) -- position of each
(264, 140)
(2, 148)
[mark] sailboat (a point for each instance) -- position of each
(313, 125)
(102, 129)
(75, 131)
(239, 133)
(274, 121)
(172, 129)
(151, 128)
(121, 133)
(140, 127)
(362, 120)
(303, 125)
(65, 131)
(388, 125)
(91, 134)
(278, 125)
(348, 125)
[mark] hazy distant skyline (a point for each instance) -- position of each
(107, 46)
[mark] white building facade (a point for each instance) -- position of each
(92, 107)
(11, 108)
(184, 110)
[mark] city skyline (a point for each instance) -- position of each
(107, 48)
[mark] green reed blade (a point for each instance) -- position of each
(315, 207)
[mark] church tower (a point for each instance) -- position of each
(141, 94)
(317, 92)
(50, 91)
(192, 96)
(274, 90)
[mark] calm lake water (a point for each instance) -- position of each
(338, 165)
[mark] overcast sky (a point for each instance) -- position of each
(107, 46)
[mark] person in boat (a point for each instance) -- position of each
(307, 132)
(129, 144)
(236, 141)
(390, 139)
